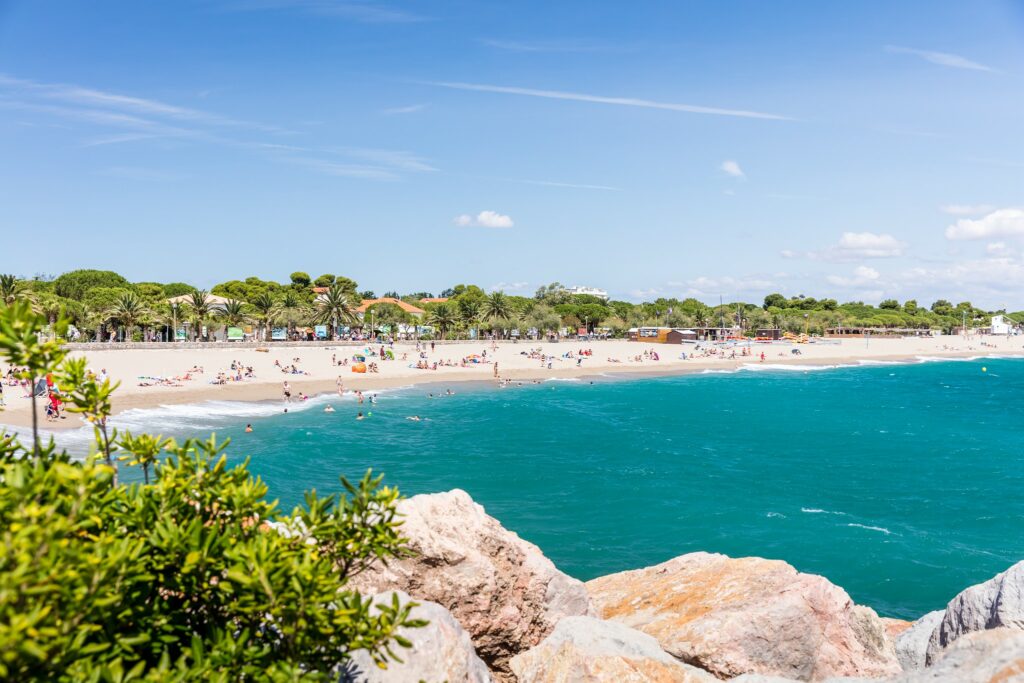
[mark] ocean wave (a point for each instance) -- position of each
(563, 379)
(773, 367)
(819, 511)
(709, 371)
(880, 529)
(775, 515)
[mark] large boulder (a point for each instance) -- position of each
(503, 591)
(750, 615)
(995, 603)
(588, 649)
(912, 644)
(440, 651)
(993, 656)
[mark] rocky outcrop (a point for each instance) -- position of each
(502, 589)
(912, 644)
(995, 656)
(440, 651)
(996, 603)
(735, 616)
(588, 649)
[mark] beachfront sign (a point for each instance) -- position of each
(279, 334)
(179, 334)
(235, 334)
(320, 331)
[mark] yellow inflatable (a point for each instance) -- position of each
(359, 367)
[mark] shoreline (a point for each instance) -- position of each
(18, 416)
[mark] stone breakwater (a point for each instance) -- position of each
(501, 611)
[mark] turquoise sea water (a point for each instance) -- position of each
(902, 483)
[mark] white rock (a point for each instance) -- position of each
(589, 649)
(912, 644)
(441, 651)
(995, 603)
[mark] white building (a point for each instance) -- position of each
(591, 291)
(1003, 325)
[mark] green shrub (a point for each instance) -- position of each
(193, 575)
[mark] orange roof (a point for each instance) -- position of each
(408, 308)
(434, 300)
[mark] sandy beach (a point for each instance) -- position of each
(317, 373)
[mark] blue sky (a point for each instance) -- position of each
(853, 150)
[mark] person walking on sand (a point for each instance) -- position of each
(341, 386)
(287, 392)
(495, 369)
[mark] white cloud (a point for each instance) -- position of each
(410, 109)
(854, 246)
(999, 223)
(940, 58)
(999, 249)
(966, 209)
(863, 276)
(508, 287)
(577, 186)
(484, 219)
(601, 99)
(732, 168)
(355, 10)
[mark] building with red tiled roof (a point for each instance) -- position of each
(434, 300)
(407, 307)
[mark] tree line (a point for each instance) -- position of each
(99, 302)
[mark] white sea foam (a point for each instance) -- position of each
(563, 379)
(880, 529)
(773, 367)
(775, 515)
(718, 372)
(819, 511)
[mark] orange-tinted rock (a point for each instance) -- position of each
(749, 615)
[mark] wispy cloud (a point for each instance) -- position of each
(733, 169)
(410, 109)
(103, 100)
(601, 99)
(966, 209)
(366, 11)
(484, 219)
(577, 186)
(541, 46)
(114, 118)
(940, 58)
(862, 276)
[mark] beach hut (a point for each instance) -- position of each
(680, 336)
(649, 335)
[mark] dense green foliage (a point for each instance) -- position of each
(94, 302)
(192, 575)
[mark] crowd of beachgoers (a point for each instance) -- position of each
(157, 376)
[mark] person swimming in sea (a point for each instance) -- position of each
(414, 418)
(329, 408)
(359, 416)
(248, 429)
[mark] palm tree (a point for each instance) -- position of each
(469, 312)
(233, 314)
(335, 306)
(266, 310)
(201, 305)
(702, 315)
(10, 288)
(292, 308)
(128, 310)
(496, 308)
(443, 318)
